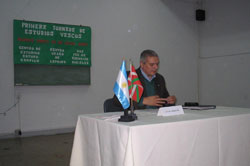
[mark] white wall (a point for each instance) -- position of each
(119, 29)
(225, 53)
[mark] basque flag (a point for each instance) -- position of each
(134, 85)
(121, 86)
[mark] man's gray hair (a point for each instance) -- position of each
(147, 53)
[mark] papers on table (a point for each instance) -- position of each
(110, 118)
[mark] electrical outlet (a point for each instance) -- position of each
(18, 132)
(18, 96)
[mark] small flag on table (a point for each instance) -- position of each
(121, 87)
(134, 85)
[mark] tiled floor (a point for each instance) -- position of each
(52, 150)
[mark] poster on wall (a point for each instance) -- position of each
(51, 44)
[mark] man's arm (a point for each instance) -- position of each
(162, 96)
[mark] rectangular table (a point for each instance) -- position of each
(217, 137)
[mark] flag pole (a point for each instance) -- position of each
(131, 100)
(125, 110)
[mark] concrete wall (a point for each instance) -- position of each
(119, 29)
(224, 75)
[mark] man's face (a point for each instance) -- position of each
(150, 67)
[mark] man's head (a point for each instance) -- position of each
(149, 62)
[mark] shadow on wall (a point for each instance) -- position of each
(184, 10)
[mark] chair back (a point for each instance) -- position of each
(108, 106)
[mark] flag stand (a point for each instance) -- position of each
(132, 110)
(128, 117)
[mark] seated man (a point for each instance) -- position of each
(155, 93)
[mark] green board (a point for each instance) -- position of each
(51, 54)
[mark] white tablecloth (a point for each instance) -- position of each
(219, 137)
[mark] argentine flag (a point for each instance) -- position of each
(121, 86)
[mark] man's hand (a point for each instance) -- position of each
(154, 101)
(171, 99)
(157, 101)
